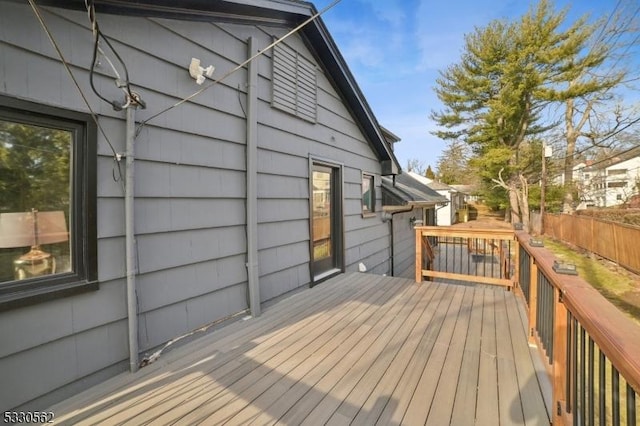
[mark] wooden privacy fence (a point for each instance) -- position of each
(591, 349)
(617, 242)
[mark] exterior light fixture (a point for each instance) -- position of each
(199, 73)
(565, 268)
(536, 242)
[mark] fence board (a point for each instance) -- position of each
(614, 241)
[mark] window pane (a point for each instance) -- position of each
(368, 198)
(35, 201)
(321, 215)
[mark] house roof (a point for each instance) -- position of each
(289, 13)
(614, 159)
(435, 185)
(465, 189)
(406, 190)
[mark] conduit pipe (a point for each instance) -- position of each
(252, 183)
(132, 305)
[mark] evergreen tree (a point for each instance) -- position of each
(453, 164)
(429, 174)
(494, 97)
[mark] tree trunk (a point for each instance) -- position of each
(514, 203)
(523, 198)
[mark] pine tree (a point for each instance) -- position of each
(429, 174)
(507, 75)
(453, 164)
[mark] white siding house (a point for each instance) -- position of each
(446, 215)
(611, 182)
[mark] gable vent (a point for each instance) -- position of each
(294, 83)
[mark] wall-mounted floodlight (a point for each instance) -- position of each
(199, 73)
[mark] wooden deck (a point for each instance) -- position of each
(358, 349)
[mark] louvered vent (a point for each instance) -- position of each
(294, 83)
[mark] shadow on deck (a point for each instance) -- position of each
(359, 349)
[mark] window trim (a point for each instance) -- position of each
(83, 226)
(372, 211)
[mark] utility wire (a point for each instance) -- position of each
(612, 156)
(116, 156)
(609, 136)
(124, 85)
(242, 65)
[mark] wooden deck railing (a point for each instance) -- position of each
(591, 350)
(474, 255)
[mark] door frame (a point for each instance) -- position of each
(337, 220)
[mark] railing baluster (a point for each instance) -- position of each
(602, 394)
(583, 374)
(469, 256)
(574, 371)
(631, 406)
(591, 382)
(615, 396)
(559, 360)
(446, 254)
(568, 382)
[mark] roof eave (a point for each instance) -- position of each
(337, 68)
(265, 12)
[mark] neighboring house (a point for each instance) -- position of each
(267, 183)
(578, 174)
(446, 215)
(469, 192)
(614, 181)
(581, 182)
(408, 203)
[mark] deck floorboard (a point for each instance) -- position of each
(358, 349)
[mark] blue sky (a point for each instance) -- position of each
(396, 47)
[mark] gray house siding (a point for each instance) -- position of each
(190, 192)
(404, 249)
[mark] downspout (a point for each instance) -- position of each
(435, 211)
(252, 184)
(132, 304)
(392, 240)
(392, 251)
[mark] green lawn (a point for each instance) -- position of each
(621, 289)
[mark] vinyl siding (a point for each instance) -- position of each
(190, 191)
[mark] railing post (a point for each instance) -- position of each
(418, 255)
(516, 262)
(533, 299)
(560, 367)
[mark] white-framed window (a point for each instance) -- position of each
(48, 237)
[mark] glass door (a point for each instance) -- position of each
(325, 219)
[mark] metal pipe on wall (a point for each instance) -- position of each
(132, 305)
(252, 183)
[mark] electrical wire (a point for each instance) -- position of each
(242, 65)
(612, 156)
(124, 85)
(609, 136)
(244, 113)
(116, 156)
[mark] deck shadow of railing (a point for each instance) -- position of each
(590, 348)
